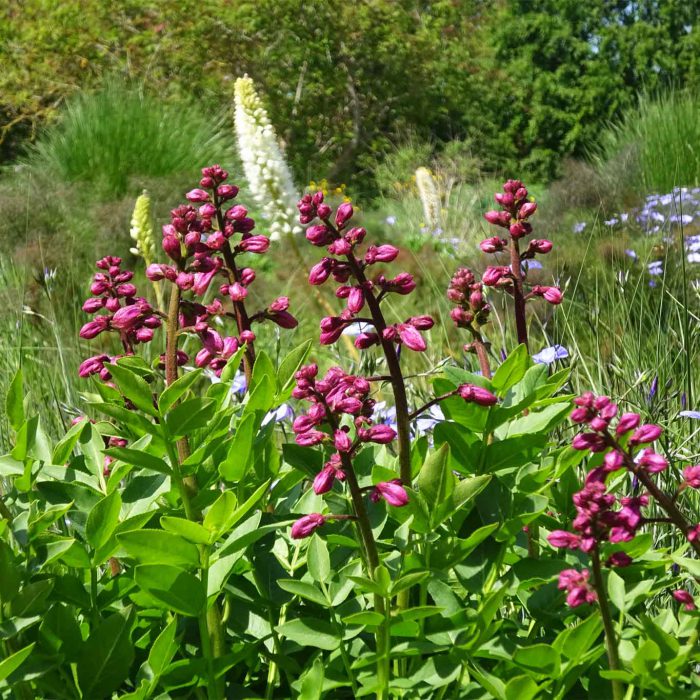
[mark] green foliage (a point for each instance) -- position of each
(116, 137)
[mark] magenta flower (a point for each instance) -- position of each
(564, 540)
(691, 476)
(644, 434)
(575, 583)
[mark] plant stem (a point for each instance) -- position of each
(394, 366)
(518, 296)
(189, 484)
(610, 638)
(242, 319)
(482, 354)
(213, 689)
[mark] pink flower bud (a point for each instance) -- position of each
(236, 213)
(90, 306)
(410, 337)
(356, 300)
(340, 247)
(685, 599)
(652, 461)
(197, 195)
(127, 317)
(323, 211)
(366, 340)
(206, 211)
(492, 275)
(589, 441)
(382, 253)
(255, 244)
(247, 337)
(305, 526)
(171, 246)
(237, 292)
(492, 245)
(392, 492)
(691, 476)
(506, 200)
(342, 441)
(319, 235)
(355, 235)
(498, 218)
(619, 559)
(226, 192)
(627, 422)
(527, 210)
(564, 539)
(343, 214)
(323, 482)
(421, 323)
(541, 246)
(321, 271)
(310, 438)
(476, 394)
(283, 319)
(644, 434)
(613, 461)
(381, 434)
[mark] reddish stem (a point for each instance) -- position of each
(518, 296)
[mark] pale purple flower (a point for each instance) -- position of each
(690, 414)
(390, 220)
(656, 267)
(284, 412)
(549, 355)
(580, 227)
(631, 254)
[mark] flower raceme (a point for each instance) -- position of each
(602, 516)
(349, 270)
(204, 239)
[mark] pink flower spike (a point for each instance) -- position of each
(343, 214)
(392, 492)
(323, 482)
(410, 337)
(342, 441)
(307, 525)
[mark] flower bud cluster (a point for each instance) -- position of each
(130, 316)
(471, 310)
(515, 211)
(602, 516)
(334, 399)
(578, 589)
(348, 268)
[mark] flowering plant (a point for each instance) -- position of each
(182, 543)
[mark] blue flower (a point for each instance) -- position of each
(690, 414)
(656, 267)
(284, 412)
(631, 254)
(684, 219)
(532, 265)
(611, 222)
(580, 226)
(429, 420)
(551, 354)
(354, 329)
(390, 220)
(239, 384)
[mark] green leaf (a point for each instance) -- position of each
(540, 659)
(435, 480)
(174, 588)
(512, 370)
(240, 451)
(317, 559)
(11, 576)
(465, 491)
(303, 589)
(106, 658)
(64, 448)
(159, 547)
(191, 531)
(163, 649)
(247, 505)
(263, 368)
(220, 515)
(234, 362)
(616, 590)
(538, 421)
(521, 687)
(139, 458)
(133, 388)
(312, 681)
(60, 632)
(575, 641)
(366, 618)
(14, 402)
(14, 661)
(408, 580)
(692, 566)
(262, 396)
(288, 368)
(310, 632)
(175, 391)
(102, 520)
(190, 415)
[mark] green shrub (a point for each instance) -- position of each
(116, 137)
(655, 147)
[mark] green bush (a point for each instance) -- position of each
(116, 137)
(656, 146)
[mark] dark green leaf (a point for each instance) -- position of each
(173, 588)
(14, 402)
(159, 547)
(133, 387)
(174, 392)
(102, 520)
(310, 632)
(190, 415)
(512, 370)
